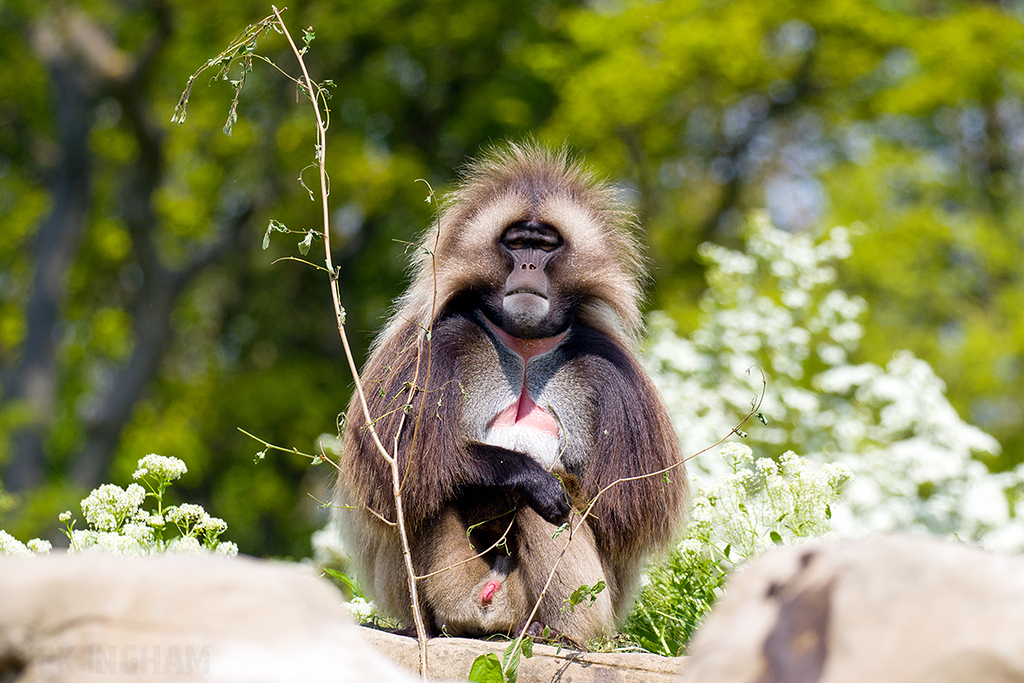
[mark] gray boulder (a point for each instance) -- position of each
(97, 618)
(82, 618)
(887, 610)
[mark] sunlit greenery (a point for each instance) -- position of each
(904, 118)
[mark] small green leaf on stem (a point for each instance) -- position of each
(585, 593)
(513, 653)
(307, 37)
(345, 580)
(486, 669)
(274, 226)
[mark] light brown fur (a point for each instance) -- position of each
(611, 421)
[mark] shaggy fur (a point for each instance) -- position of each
(433, 398)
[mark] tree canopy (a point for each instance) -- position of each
(139, 313)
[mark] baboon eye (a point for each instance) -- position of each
(521, 243)
(529, 235)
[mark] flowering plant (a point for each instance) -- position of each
(751, 508)
(887, 436)
(918, 466)
(119, 523)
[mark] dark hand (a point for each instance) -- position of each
(496, 466)
(545, 494)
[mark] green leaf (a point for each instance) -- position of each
(306, 243)
(585, 593)
(510, 660)
(775, 536)
(486, 669)
(346, 581)
(231, 121)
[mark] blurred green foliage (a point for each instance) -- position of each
(903, 115)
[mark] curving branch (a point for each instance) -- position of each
(107, 415)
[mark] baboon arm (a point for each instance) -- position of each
(415, 417)
(500, 467)
(416, 414)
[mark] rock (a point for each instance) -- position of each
(92, 618)
(892, 609)
(453, 657)
(96, 617)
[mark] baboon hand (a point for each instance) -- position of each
(548, 497)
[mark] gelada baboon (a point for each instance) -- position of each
(508, 383)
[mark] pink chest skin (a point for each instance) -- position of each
(525, 412)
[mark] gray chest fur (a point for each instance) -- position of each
(494, 380)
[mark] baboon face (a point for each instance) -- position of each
(530, 303)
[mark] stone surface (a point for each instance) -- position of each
(893, 610)
(453, 657)
(101, 618)
(91, 618)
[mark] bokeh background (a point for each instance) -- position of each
(139, 313)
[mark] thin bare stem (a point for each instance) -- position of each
(427, 333)
(313, 91)
(501, 541)
(275, 447)
(325, 504)
(295, 258)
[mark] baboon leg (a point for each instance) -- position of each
(468, 594)
(539, 549)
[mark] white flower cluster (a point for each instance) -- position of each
(916, 464)
(760, 504)
(110, 507)
(160, 467)
(9, 545)
(119, 524)
(195, 524)
(361, 610)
